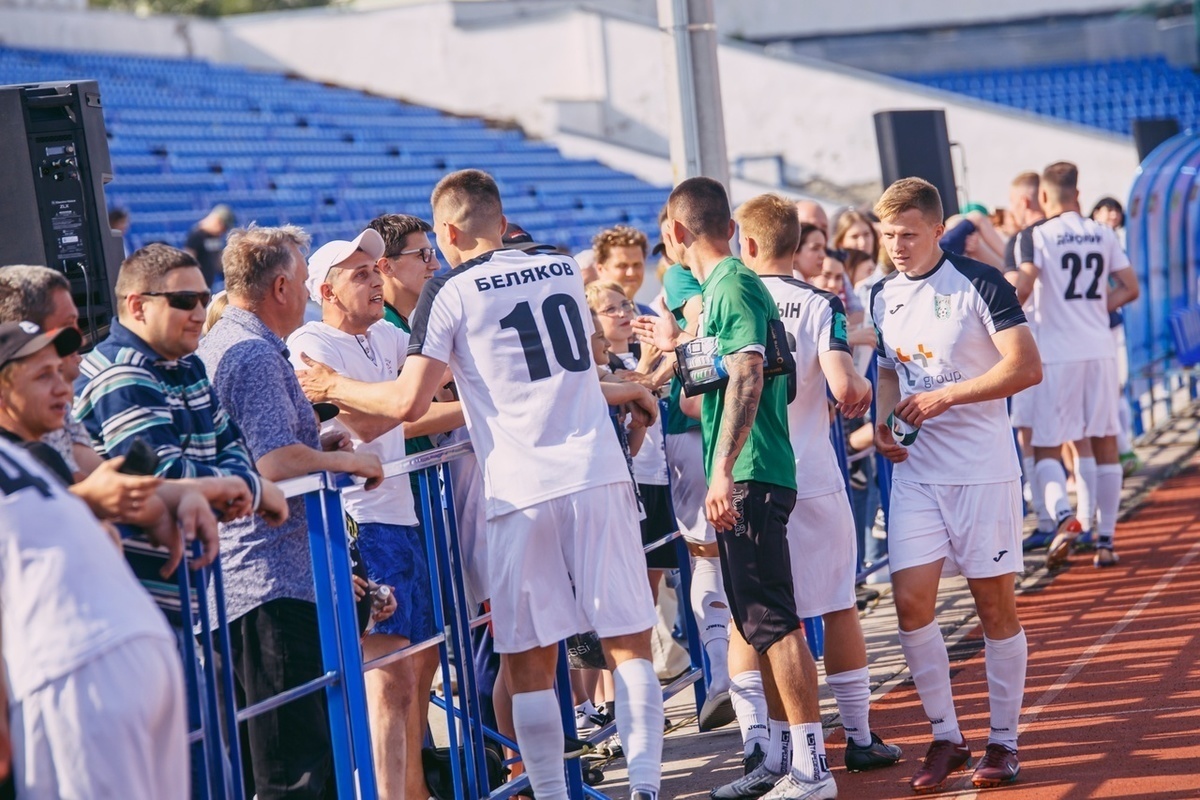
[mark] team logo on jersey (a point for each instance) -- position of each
(922, 355)
(941, 306)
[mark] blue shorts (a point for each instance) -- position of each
(395, 555)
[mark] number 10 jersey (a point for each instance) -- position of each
(515, 329)
(1074, 257)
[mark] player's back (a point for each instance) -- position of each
(515, 330)
(1074, 257)
(816, 323)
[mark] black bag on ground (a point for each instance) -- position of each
(440, 779)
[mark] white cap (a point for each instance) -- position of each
(330, 254)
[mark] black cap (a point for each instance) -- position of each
(21, 339)
(517, 238)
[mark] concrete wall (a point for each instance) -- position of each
(775, 19)
(111, 31)
(606, 74)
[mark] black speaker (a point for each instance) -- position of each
(914, 144)
(1150, 133)
(54, 163)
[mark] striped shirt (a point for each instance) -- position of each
(127, 391)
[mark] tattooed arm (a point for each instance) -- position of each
(742, 396)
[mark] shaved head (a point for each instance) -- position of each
(702, 206)
(469, 200)
(811, 212)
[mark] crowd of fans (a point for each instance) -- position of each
(192, 409)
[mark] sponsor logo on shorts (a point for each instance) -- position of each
(999, 556)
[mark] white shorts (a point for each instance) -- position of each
(976, 528)
(821, 540)
(568, 565)
(1021, 408)
(689, 486)
(1076, 400)
(116, 727)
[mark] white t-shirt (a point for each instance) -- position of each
(650, 464)
(67, 595)
(1074, 257)
(936, 330)
(815, 323)
(515, 330)
(371, 358)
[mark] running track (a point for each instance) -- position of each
(1112, 698)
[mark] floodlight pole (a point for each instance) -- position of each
(697, 133)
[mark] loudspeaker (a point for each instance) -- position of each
(914, 144)
(54, 162)
(1150, 133)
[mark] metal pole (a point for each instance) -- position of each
(697, 136)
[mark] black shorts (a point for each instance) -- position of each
(659, 522)
(756, 564)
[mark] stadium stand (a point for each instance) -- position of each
(1102, 94)
(187, 134)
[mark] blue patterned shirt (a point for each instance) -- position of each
(255, 382)
(126, 390)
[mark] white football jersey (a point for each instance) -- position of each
(815, 323)
(936, 330)
(515, 330)
(1074, 257)
(66, 593)
(372, 358)
(650, 463)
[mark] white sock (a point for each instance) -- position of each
(1027, 474)
(852, 691)
(1045, 522)
(639, 716)
(1085, 490)
(750, 705)
(1108, 501)
(779, 756)
(929, 663)
(808, 751)
(1005, 660)
(1054, 486)
(539, 728)
(711, 608)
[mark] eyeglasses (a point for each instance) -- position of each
(615, 311)
(184, 301)
(426, 253)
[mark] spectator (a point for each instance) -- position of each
(810, 212)
(855, 232)
(214, 312)
(355, 340)
(206, 241)
(1108, 211)
(621, 258)
(43, 296)
(144, 380)
(810, 256)
(118, 223)
(269, 593)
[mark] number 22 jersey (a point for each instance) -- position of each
(516, 330)
(1074, 257)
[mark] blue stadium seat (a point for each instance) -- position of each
(186, 134)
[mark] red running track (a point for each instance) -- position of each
(1112, 698)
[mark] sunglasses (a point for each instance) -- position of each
(184, 301)
(426, 253)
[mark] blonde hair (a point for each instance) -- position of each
(771, 221)
(907, 194)
(594, 291)
(216, 309)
